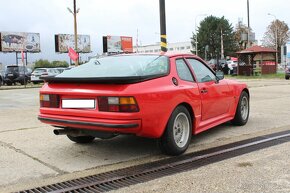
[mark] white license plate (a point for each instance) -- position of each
(78, 103)
(10, 74)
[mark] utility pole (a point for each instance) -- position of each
(222, 45)
(163, 42)
(248, 10)
(75, 12)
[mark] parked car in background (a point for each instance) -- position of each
(168, 97)
(218, 64)
(17, 74)
(38, 73)
(1, 78)
(212, 64)
(232, 65)
(287, 72)
(60, 70)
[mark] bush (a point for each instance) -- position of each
(42, 64)
(46, 64)
(60, 64)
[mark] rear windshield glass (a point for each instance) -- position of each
(11, 69)
(121, 66)
(39, 70)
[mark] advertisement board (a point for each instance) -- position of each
(18, 41)
(65, 41)
(117, 44)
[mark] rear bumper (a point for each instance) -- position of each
(32, 80)
(12, 80)
(36, 79)
(116, 126)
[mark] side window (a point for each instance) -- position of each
(183, 70)
(202, 73)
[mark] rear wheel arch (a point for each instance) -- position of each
(177, 134)
(190, 110)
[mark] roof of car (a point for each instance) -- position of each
(169, 54)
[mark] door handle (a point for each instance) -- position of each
(203, 91)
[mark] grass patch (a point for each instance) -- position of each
(263, 76)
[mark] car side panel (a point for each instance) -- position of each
(216, 99)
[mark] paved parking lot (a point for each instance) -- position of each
(31, 154)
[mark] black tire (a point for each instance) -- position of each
(177, 136)
(81, 139)
(23, 82)
(287, 77)
(243, 110)
(9, 83)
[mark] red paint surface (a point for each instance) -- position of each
(156, 99)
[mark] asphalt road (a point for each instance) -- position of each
(30, 154)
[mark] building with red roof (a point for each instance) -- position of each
(256, 59)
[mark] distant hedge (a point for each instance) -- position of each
(46, 64)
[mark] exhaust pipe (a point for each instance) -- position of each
(72, 132)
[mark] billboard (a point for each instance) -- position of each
(117, 44)
(18, 41)
(64, 41)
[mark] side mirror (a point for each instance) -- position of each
(220, 75)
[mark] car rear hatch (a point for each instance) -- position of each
(74, 99)
(11, 73)
(83, 104)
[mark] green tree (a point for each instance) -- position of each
(209, 38)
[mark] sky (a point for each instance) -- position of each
(99, 18)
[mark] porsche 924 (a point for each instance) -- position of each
(169, 97)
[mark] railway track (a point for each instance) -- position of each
(113, 180)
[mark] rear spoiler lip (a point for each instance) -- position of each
(102, 80)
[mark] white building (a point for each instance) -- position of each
(179, 47)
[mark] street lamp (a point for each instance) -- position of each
(75, 12)
(276, 37)
(199, 15)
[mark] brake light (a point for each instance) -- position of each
(117, 104)
(49, 100)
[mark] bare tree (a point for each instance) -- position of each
(240, 30)
(281, 30)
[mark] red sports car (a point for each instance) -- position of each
(169, 97)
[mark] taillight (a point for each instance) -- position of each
(49, 100)
(117, 104)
